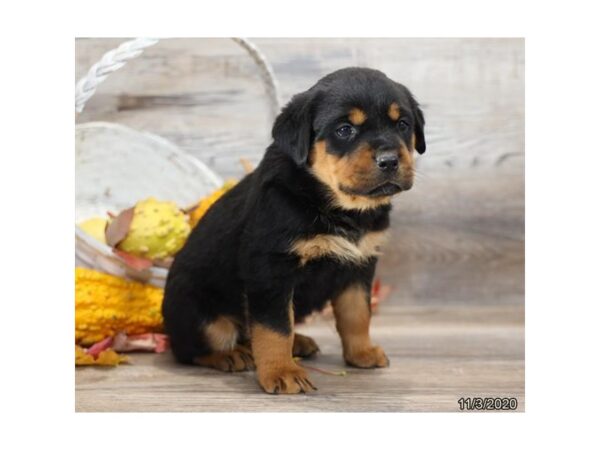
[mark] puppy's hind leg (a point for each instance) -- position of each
(221, 336)
(200, 336)
(304, 346)
(182, 320)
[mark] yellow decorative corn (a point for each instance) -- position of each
(106, 304)
(203, 205)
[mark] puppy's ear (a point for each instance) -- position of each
(293, 131)
(419, 126)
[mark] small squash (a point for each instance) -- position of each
(106, 304)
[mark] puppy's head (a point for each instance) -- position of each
(356, 131)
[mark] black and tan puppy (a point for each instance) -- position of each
(304, 228)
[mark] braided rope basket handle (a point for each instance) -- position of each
(118, 57)
(183, 178)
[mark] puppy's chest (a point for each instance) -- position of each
(343, 245)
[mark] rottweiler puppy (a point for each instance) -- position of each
(306, 227)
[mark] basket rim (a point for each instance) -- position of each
(212, 176)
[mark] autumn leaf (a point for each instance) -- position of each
(118, 228)
(105, 358)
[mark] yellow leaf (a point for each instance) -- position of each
(106, 357)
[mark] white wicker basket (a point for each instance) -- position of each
(140, 164)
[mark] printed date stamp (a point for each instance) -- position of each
(488, 403)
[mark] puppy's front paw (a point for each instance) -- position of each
(289, 379)
(367, 358)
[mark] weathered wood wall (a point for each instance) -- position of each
(458, 235)
(204, 94)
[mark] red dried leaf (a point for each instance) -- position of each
(99, 347)
(135, 262)
(379, 293)
(118, 228)
(376, 286)
(152, 342)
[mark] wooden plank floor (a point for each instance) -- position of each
(437, 355)
(454, 324)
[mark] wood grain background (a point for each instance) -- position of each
(454, 325)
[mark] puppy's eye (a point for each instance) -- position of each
(403, 125)
(345, 132)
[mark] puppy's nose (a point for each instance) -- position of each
(387, 162)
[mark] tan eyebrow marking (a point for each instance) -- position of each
(357, 116)
(394, 111)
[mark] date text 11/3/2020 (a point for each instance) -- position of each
(487, 403)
